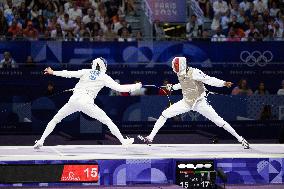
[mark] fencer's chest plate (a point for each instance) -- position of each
(191, 89)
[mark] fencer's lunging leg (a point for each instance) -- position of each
(207, 111)
(176, 109)
(65, 111)
(95, 112)
(158, 125)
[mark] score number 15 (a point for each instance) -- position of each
(91, 172)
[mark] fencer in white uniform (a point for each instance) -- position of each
(194, 98)
(90, 83)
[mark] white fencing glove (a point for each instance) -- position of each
(169, 87)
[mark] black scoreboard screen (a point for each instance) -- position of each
(195, 174)
(45, 173)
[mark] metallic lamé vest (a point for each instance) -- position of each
(191, 89)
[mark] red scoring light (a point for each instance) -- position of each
(176, 65)
(80, 173)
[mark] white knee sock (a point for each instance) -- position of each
(49, 128)
(230, 129)
(158, 125)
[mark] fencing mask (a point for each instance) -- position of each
(179, 65)
(99, 64)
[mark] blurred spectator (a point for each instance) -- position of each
(216, 22)
(40, 4)
(163, 91)
(259, 6)
(245, 5)
(246, 25)
(251, 30)
(218, 37)
(193, 27)
(60, 14)
(259, 24)
(266, 113)
(266, 17)
(79, 25)
(46, 36)
(87, 18)
(241, 17)
(14, 29)
(30, 62)
(242, 89)
(74, 11)
(125, 36)
(225, 20)
(84, 35)
(23, 11)
(109, 34)
(233, 36)
(270, 36)
(234, 22)
(281, 91)
(99, 36)
(93, 25)
(8, 12)
(158, 31)
(19, 36)
(256, 37)
(113, 92)
(205, 36)
(234, 9)
(139, 36)
(49, 12)
(40, 24)
(51, 25)
(278, 32)
(86, 5)
(50, 89)
(129, 7)
(21, 22)
(69, 36)
(205, 7)
(274, 9)
(261, 90)
(220, 7)
(124, 25)
(57, 33)
(16, 3)
(67, 24)
(139, 92)
(30, 32)
(7, 61)
(3, 25)
(239, 32)
(35, 12)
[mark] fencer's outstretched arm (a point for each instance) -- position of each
(200, 76)
(64, 73)
(176, 86)
(110, 83)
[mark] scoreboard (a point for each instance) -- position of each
(48, 173)
(195, 174)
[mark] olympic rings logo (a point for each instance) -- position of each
(256, 57)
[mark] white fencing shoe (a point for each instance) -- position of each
(145, 139)
(245, 144)
(127, 141)
(38, 144)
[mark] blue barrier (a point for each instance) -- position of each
(127, 109)
(132, 52)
